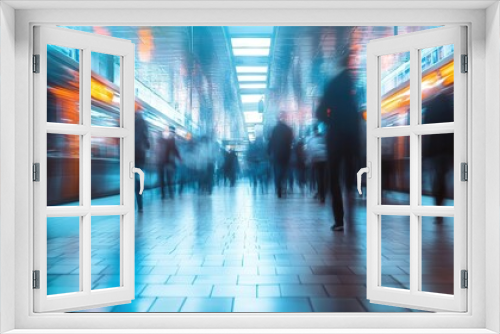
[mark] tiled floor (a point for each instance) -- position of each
(237, 251)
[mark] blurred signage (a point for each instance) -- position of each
(155, 101)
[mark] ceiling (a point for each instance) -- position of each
(198, 72)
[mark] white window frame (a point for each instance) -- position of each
(484, 239)
(413, 44)
(86, 297)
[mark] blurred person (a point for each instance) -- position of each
(167, 162)
(317, 155)
(280, 151)
(220, 174)
(300, 164)
(257, 164)
(338, 110)
(207, 154)
(231, 167)
(188, 167)
(141, 146)
(438, 149)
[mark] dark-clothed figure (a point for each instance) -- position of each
(300, 164)
(438, 149)
(317, 155)
(257, 164)
(141, 146)
(338, 110)
(167, 164)
(206, 156)
(231, 167)
(280, 149)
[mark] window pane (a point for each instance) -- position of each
(63, 169)
(105, 252)
(63, 84)
(105, 171)
(395, 89)
(437, 84)
(105, 90)
(437, 170)
(395, 170)
(437, 254)
(395, 251)
(63, 255)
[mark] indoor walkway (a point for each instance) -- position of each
(238, 251)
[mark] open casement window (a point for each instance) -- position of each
(78, 234)
(417, 138)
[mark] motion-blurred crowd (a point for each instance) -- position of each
(322, 163)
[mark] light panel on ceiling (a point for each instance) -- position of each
(251, 42)
(253, 85)
(252, 78)
(250, 98)
(251, 69)
(251, 52)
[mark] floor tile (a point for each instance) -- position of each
(216, 279)
(177, 290)
(234, 291)
(137, 305)
(167, 304)
(267, 279)
(294, 290)
(336, 305)
(264, 291)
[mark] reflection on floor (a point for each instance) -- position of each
(237, 251)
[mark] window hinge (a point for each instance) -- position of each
(465, 64)
(464, 171)
(465, 279)
(36, 172)
(36, 63)
(36, 279)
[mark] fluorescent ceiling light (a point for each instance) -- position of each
(251, 69)
(251, 52)
(250, 42)
(250, 98)
(252, 78)
(253, 85)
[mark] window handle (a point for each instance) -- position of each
(141, 175)
(368, 171)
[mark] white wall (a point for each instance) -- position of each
(7, 181)
(493, 163)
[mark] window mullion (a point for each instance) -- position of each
(415, 176)
(85, 180)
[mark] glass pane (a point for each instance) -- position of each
(63, 255)
(437, 254)
(105, 171)
(63, 84)
(63, 169)
(395, 251)
(437, 84)
(105, 252)
(395, 89)
(105, 90)
(437, 169)
(395, 170)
